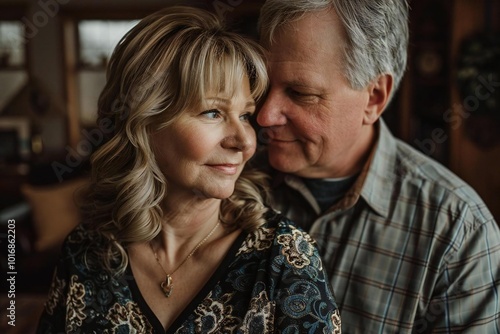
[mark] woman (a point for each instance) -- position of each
(174, 238)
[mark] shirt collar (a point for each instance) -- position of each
(374, 183)
(377, 182)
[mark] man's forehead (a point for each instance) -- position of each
(303, 55)
(308, 36)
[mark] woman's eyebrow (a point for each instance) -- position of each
(227, 102)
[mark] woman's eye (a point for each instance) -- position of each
(212, 113)
(246, 117)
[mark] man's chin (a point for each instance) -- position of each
(284, 164)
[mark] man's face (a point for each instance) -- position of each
(315, 121)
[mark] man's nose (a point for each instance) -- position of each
(271, 112)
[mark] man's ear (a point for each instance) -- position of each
(380, 91)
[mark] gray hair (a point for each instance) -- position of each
(376, 33)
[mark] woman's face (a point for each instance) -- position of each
(204, 151)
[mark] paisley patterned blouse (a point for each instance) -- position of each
(271, 281)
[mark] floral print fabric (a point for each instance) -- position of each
(271, 281)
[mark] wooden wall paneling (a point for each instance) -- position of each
(71, 98)
(477, 166)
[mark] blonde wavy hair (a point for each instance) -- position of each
(162, 67)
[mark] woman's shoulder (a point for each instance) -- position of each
(78, 238)
(284, 226)
(293, 243)
(278, 235)
(78, 247)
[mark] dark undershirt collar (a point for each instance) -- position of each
(327, 192)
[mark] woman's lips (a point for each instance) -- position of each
(229, 169)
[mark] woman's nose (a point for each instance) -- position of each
(240, 137)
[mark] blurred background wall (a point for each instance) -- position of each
(53, 67)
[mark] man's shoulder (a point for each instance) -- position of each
(417, 167)
(431, 180)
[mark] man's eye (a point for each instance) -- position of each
(302, 97)
(212, 113)
(295, 93)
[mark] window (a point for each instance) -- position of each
(96, 41)
(13, 74)
(11, 44)
(98, 38)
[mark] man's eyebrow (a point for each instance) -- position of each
(297, 82)
(305, 83)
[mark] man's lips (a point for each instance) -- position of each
(280, 140)
(272, 136)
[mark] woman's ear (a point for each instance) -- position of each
(379, 91)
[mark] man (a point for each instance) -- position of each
(408, 246)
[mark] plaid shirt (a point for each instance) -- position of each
(410, 248)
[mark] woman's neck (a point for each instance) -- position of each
(184, 225)
(193, 211)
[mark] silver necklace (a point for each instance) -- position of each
(167, 285)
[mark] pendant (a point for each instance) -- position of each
(166, 286)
